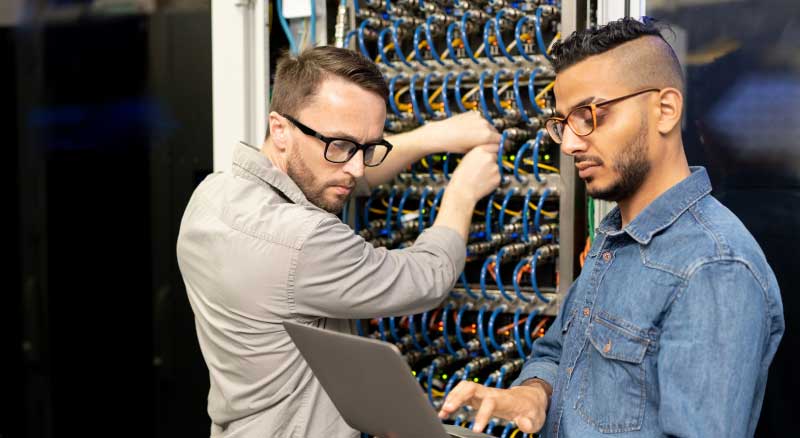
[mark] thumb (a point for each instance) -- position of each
(525, 424)
(490, 147)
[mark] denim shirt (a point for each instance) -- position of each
(668, 331)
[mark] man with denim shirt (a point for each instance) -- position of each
(673, 322)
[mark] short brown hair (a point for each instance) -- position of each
(297, 78)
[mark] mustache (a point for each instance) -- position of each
(590, 158)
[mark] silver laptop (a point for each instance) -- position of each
(371, 385)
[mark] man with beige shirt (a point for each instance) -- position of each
(262, 244)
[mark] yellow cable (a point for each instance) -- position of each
(377, 211)
(402, 106)
(550, 214)
(540, 97)
(552, 43)
(388, 46)
(514, 433)
(394, 209)
(512, 213)
(435, 94)
(421, 45)
(541, 165)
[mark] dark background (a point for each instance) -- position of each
(107, 122)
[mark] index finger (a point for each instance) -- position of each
(491, 147)
(461, 394)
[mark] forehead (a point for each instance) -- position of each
(598, 76)
(340, 106)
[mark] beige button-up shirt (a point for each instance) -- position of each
(254, 252)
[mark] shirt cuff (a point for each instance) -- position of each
(541, 370)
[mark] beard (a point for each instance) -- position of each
(631, 165)
(312, 188)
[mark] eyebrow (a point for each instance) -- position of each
(346, 136)
(588, 100)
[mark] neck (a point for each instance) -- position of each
(662, 177)
(270, 151)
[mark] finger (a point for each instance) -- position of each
(457, 397)
(525, 424)
(493, 135)
(484, 414)
(491, 147)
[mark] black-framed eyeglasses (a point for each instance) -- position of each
(341, 150)
(583, 119)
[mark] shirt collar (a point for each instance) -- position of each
(249, 160)
(663, 211)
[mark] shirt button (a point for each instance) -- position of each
(607, 255)
(569, 371)
(586, 311)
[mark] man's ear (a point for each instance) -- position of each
(670, 110)
(278, 131)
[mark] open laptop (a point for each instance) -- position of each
(371, 385)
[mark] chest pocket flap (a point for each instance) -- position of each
(617, 343)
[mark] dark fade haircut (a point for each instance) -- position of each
(585, 43)
(297, 78)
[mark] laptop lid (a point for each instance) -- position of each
(370, 384)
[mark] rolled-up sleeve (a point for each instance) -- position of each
(338, 274)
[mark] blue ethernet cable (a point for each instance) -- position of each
(496, 91)
(396, 40)
(446, 103)
(539, 39)
(426, 97)
(537, 217)
(528, 323)
(446, 166)
(501, 377)
(367, 206)
(497, 260)
(429, 38)
(518, 160)
(431, 175)
(482, 95)
(489, 208)
(417, 40)
(481, 332)
(285, 27)
(348, 37)
(457, 89)
(422, 198)
(534, 282)
(401, 207)
(382, 47)
(452, 381)
(490, 380)
(393, 329)
(313, 23)
(532, 93)
(500, 153)
(388, 227)
(518, 97)
(536, 146)
(467, 289)
(506, 430)
(517, 340)
(465, 38)
(362, 46)
(518, 38)
(498, 34)
(424, 324)
(382, 329)
(487, 29)
(392, 103)
(459, 317)
(483, 278)
(449, 38)
(445, 320)
(497, 311)
(412, 331)
(526, 236)
(359, 329)
(414, 105)
(436, 201)
(355, 6)
(431, 371)
(501, 217)
(517, 289)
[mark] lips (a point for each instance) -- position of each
(586, 168)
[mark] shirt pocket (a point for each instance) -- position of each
(613, 389)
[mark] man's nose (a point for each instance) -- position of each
(355, 166)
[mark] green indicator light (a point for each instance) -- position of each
(475, 380)
(512, 158)
(547, 157)
(444, 376)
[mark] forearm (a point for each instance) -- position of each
(409, 147)
(456, 211)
